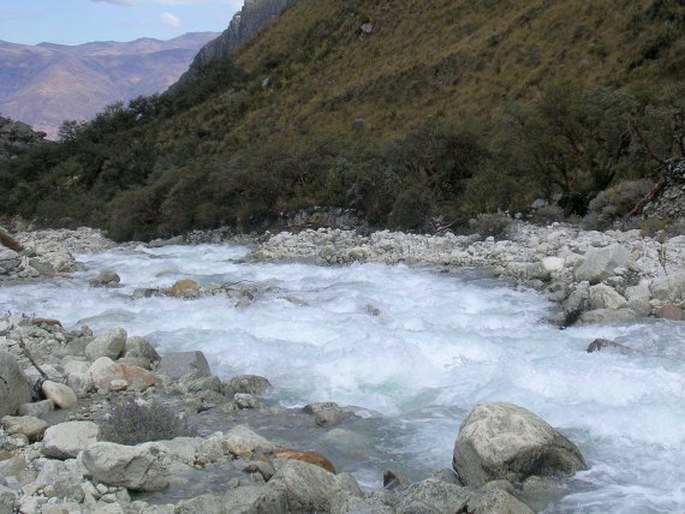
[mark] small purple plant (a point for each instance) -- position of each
(132, 421)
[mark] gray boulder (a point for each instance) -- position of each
(7, 500)
(14, 388)
(61, 395)
(432, 496)
(106, 278)
(255, 500)
(242, 442)
(602, 296)
(499, 497)
(326, 414)
(134, 467)
(603, 344)
(600, 263)
(248, 384)
(66, 440)
(607, 316)
(63, 477)
(110, 344)
(177, 364)
(669, 288)
(308, 487)
(505, 441)
(141, 352)
(31, 427)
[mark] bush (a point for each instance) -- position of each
(547, 214)
(132, 421)
(496, 225)
(614, 203)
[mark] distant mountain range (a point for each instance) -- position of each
(45, 84)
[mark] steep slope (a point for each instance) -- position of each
(46, 84)
(244, 25)
(402, 110)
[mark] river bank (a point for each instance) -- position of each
(541, 258)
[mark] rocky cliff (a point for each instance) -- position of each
(253, 15)
(14, 136)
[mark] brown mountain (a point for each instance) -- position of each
(46, 84)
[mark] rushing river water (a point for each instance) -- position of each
(416, 348)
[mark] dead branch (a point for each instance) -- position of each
(28, 355)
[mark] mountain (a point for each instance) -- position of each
(244, 25)
(46, 84)
(404, 111)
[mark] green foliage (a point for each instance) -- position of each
(495, 225)
(132, 421)
(615, 202)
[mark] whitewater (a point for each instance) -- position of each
(411, 349)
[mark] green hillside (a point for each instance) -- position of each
(401, 109)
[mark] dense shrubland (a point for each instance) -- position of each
(424, 137)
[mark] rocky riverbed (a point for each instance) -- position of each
(52, 458)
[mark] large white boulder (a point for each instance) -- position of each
(66, 440)
(135, 467)
(505, 441)
(600, 263)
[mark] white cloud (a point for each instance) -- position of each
(115, 2)
(170, 19)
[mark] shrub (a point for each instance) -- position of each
(496, 225)
(547, 214)
(132, 421)
(613, 203)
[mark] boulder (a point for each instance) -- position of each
(326, 414)
(600, 263)
(177, 364)
(78, 375)
(242, 442)
(602, 296)
(350, 504)
(31, 427)
(669, 288)
(185, 288)
(308, 456)
(14, 388)
(61, 395)
(505, 441)
(108, 375)
(37, 409)
(255, 500)
(310, 488)
(106, 278)
(499, 497)
(134, 467)
(248, 384)
(64, 479)
(432, 496)
(7, 500)
(140, 350)
(608, 316)
(603, 344)
(110, 344)
(671, 312)
(66, 440)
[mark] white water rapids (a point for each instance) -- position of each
(416, 345)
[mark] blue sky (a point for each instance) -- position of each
(79, 21)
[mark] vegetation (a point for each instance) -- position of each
(131, 422)
(488, 106)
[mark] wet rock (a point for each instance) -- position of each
(248, 384)
(351, 504)
(255, 500)
(599, 263)
(31, 427)
(110, 344)
(602, 296)
(393, 480)
(245, 401)
(36, 409)
(134, 467)
(326, 414)
(308, 487)
(499, 497)
(66, 440)
(671, 312)
(14, 388)
(599, 316)
(141, 351)
(106, 278)
(432, 496)
(505, 441)
(61, 395)
(185, 288)
(177, 364)
(605, 344)
(242, 442)
(8, 498)
(264, 468)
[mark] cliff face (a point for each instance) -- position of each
(245, 24)
(45, 84)
(14, 136)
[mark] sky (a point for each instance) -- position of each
(72, 22)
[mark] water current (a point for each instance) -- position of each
(414, 349)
